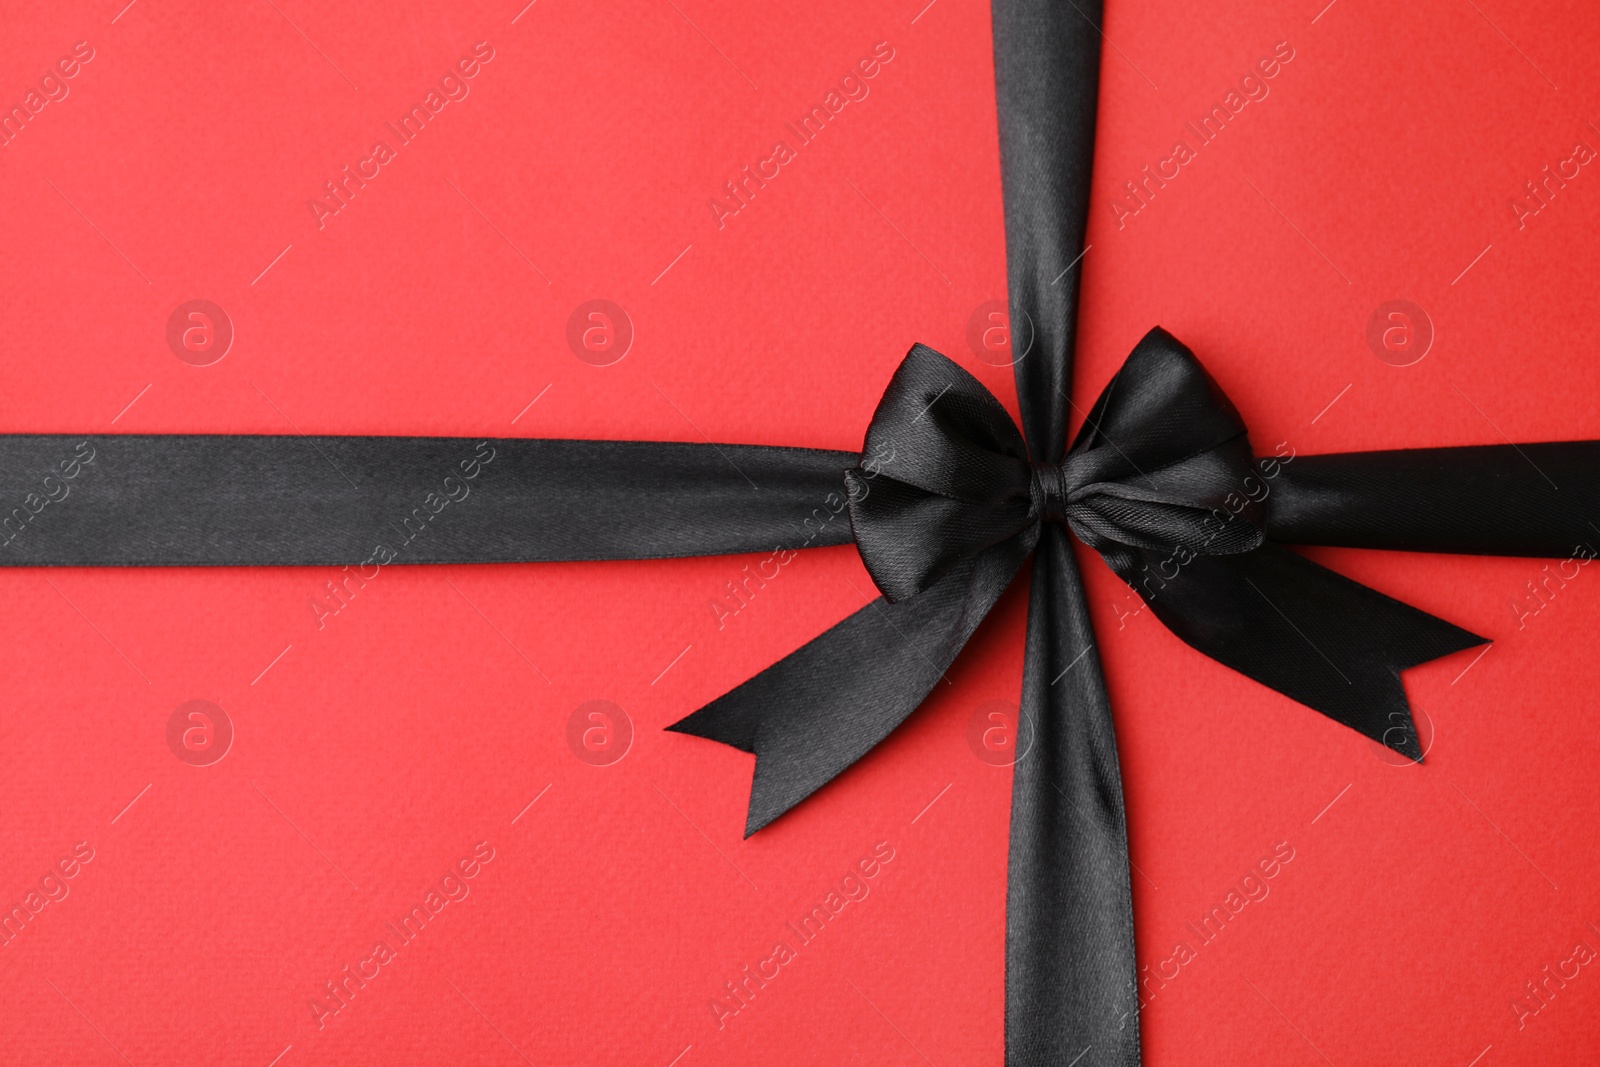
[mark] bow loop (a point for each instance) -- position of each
(944, 476)
(1165, 459)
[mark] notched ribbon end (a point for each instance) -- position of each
(721, 722)
(1382, 711)
(1409, 744)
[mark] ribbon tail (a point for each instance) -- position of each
(1071, 982)
(1315, 636)
(824, 706)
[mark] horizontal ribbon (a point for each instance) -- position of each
(147, 500)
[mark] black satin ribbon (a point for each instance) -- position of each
(146, 500)
(1071, 984)
(946, 503)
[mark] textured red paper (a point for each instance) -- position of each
(428, 723)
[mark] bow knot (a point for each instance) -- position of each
(1051, 491)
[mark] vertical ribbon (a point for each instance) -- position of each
(1071, 982)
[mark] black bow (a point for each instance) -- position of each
(1161, 481)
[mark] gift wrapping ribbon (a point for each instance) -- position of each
(947, 501)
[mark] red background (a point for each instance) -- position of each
(373, 753)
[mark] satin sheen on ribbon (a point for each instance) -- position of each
(947, 502)
(1071, 983)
